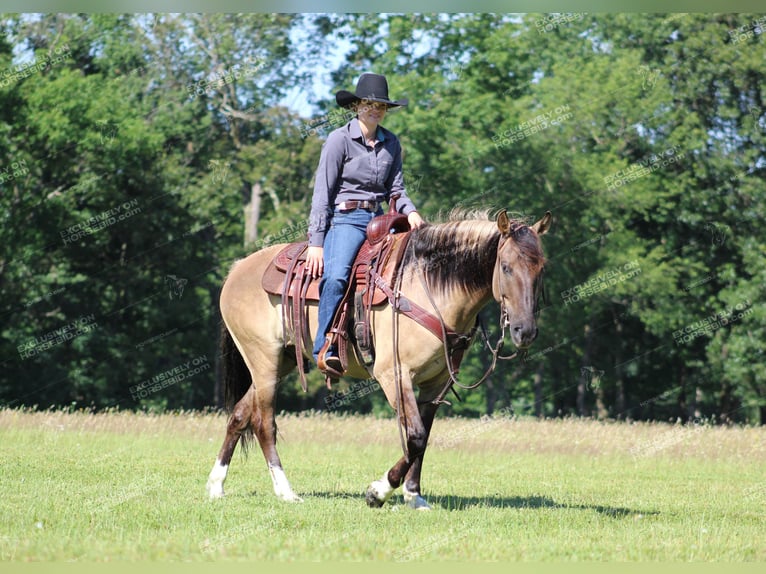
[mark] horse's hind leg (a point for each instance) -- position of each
(238, 423)
(255, 412)
(265, 428)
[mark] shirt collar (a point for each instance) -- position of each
(356, 132)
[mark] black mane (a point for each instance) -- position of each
(456, 254)
(462, 253)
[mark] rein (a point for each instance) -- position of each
(495, 351)
(454, 344)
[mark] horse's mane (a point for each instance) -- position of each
(461, 252)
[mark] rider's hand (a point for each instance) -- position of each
(415, 220)
(315, 261)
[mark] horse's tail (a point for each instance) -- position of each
(236, 379)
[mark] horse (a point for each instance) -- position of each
(454, 268)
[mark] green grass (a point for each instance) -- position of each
(129, 486)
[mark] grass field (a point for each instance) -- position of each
(120, 486)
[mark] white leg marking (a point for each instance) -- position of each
(381, 489)
(414, 500)
(282, 486)
(216, 479)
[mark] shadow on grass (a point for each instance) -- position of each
(450, 502)
(464, 502)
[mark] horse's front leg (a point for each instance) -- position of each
(411, 488)
(416, 436)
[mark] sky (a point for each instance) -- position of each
(297, 99)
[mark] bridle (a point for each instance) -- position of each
(454, 343)
(495, 350)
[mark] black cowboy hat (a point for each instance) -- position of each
(370, 87)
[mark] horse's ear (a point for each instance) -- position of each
(542, 226)
(503, 224)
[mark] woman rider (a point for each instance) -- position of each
(360, 167)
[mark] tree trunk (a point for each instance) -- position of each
(218, 386)
(694, 409)
(726, 404)
(683, 406)
(252, 214)
(619, 399)
(619, 385)
(585, 366)
(581, 396)
(601, 411)
(538, 386)
(490, 391)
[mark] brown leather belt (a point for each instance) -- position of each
(355, 204)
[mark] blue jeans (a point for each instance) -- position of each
(341, 243)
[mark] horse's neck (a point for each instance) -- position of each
(459, 308)
(457, 279)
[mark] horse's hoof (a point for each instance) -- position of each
(372, 500)
(214, 490)
(215, 479)
(378, 493)
(415, 501)
(418, 503)
(215, 494)
(290, 497)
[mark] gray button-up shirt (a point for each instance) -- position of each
(349, 169)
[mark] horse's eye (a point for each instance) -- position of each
(506, 268)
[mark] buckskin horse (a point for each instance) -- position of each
(452, 269)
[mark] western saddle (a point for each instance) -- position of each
(373, 273)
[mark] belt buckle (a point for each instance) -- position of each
(354, 204)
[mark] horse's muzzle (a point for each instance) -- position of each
(523, 334)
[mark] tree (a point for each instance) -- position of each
(643, 134)
(121, 229)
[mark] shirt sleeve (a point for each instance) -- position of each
(326, 182)
(395, 184)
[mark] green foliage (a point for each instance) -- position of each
(644, 137)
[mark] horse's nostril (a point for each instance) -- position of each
(524, 333)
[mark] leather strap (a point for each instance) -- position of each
(299, 323)
(357, 204)
(457, 343)
(291, 314)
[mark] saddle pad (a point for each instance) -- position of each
(274, 277)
